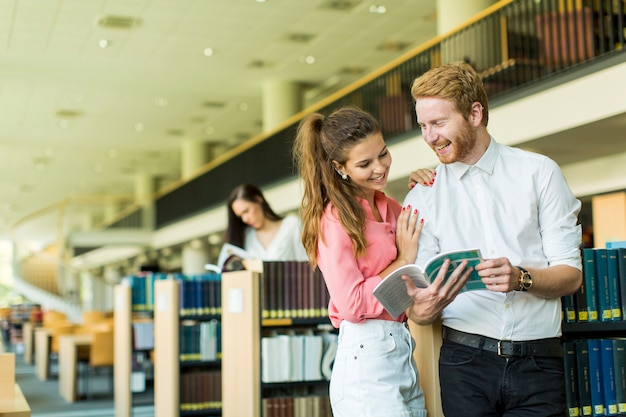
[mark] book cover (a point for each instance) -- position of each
(602, 279)
(608, 377)
(595, 377)
(584, 382)
(619, 362)
(612, 258)
(589, 277)
(391, 291)
(571, 381)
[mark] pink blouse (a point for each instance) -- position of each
(351, 280)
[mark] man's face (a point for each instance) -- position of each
(445, 130)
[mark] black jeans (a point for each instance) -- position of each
(478, 383)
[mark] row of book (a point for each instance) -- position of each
(293, 289)
(199, 294)
(200, 390)
(602, 295)
(595, 377)
(294, 356)
(200, 340)
(306, 406)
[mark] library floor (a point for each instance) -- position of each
(45, 401)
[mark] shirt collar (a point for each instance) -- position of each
(486, 163)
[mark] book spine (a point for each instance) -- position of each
(608, 377)
(571, 382)
(612, 256)
(619, 362)
(591, 292)
(602, 279)
(595, 377)
(584, 382)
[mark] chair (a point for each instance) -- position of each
(92, 316)
(100, 357)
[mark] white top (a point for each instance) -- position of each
(286, 245)
(513, 204)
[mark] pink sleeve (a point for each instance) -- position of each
(350, 292)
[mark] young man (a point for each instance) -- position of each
(501, 354)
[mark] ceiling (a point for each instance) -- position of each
(97, 93)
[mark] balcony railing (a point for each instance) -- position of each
(513, 45)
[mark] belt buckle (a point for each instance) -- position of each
(502, 355)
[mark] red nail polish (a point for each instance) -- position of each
(415, 211)
(412, 185)
(422, 221)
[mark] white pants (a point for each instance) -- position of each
(374, 374)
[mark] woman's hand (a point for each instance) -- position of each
(408, 230)
(429, 302)
(423, 176)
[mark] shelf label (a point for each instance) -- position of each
(162, 302)
(235, 300)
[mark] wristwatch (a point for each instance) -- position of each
(525, 280)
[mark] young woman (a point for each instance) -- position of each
(255, 227)
(357, 235)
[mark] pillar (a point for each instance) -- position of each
(195, 256)
(281, 100)
(453, 13)
(193, 157)
(144, 198)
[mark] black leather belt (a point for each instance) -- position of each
(506, 348)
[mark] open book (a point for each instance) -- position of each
(392, 294)
(231, 258)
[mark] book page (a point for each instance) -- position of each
(391, 292)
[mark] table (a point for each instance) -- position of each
(15, 405)
(42, 353)
(68, 361)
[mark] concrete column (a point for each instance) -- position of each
(193, 157)
(451, 14)
(195, 256)
(144, 198)
(281, 100)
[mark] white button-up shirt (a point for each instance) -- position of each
(511, 203)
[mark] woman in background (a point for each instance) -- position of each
(255, 227)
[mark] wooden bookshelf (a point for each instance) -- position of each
(171, 369)
(246, 388)
(166, 375)
(122, 350)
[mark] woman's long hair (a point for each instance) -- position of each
(235, 232)
(320, 140)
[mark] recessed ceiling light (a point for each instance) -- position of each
(308, 59)
(378, 9)
(63, 124)
(104, 43)
(138, 127)
(160, 101)
(208, 51)
(112, 153)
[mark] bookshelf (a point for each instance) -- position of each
(187, 365)
(127, 376)
(594, 336)
(253, 313)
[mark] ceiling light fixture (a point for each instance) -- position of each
(208, 51)
(378, 9)
(104, 43)
(308, 59)
(138, 127)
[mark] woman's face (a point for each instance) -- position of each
(249, 212)
(368, 164)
